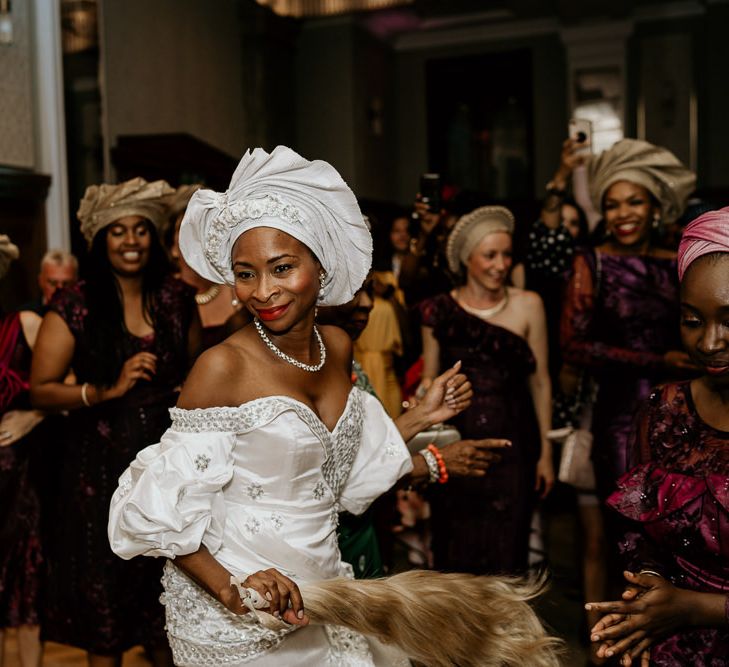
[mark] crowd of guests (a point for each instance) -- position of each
(583, 332)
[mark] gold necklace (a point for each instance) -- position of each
(485, 313)
(208, 295)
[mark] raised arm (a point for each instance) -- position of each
(557, 187)
(431, 357)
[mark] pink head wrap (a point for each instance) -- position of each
(708, 233)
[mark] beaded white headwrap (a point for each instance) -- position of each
(306, 199)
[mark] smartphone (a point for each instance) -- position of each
(430, 191)
(581, 131)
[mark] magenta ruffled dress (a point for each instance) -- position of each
(675, 505)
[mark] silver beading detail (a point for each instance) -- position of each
(202, 462)
(319, 490)
(252, 525)
(433, 469)
(233, 213)
(347, 648)
(254, 490)
(340, 446)
(312, 368)
(202, 632)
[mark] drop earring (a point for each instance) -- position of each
(322, 276)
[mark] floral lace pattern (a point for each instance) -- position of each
(232, 214)
(202, 632)
(348, 649)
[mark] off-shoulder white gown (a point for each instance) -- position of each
(260, 485)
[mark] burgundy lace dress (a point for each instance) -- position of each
(97, 601)
(675, 503)
(20, 545)
(481, 525)
(621, 315)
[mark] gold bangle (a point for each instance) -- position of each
(84, 397)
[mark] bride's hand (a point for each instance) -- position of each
(448, 395)
(282, 593)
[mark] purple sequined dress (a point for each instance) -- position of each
(97, 601)
(481, 525)
(621, 315)
(675, 503)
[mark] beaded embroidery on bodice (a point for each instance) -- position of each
(340, 445)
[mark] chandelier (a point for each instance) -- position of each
(312, 8)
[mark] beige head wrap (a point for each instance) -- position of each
(104, 204)
(306, 199)
(8, 252)
(653, 167)
(471, 229)
(177, 202)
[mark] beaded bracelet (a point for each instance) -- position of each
(432, 463)
(442, 470)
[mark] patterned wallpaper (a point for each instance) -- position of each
(16, 92)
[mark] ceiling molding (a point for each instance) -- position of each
(470, 34)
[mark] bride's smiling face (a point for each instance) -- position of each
(276, 277)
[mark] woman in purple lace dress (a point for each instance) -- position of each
(619, 319)
(675, 501)
(481, 525)
(128, 332)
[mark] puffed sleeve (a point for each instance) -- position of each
(170, 500)
(382, 459)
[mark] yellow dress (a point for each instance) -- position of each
(375, 349)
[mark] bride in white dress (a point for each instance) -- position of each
(269, 441)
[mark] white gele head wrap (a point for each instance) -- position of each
(472, 228)
(306, 199)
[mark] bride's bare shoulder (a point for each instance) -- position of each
(215, 379)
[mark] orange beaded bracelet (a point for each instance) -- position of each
(443, 477)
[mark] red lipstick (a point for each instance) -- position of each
(269, 314)
(717, 370)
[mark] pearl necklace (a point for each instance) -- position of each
(485, 313)
(207, 296)
(312, 368)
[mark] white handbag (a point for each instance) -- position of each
(575, 464)
(439, 435)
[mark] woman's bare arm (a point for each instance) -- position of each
(540, 385)
(431, 357)
(52, 355)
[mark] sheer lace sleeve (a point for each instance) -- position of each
(170, 501)
(580, 341)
